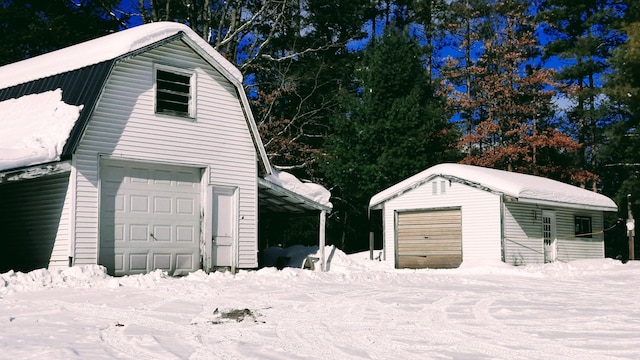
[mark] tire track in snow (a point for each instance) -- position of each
(481, 324)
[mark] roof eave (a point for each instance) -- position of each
(35, 171)
(580, 206)
(378, 203)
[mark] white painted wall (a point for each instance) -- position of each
(124, 125)
(523, 234)
(480, 216)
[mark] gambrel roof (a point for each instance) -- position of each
(81, 71)
(519, 187)
(78, 74)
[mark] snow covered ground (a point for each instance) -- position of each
(359, 309)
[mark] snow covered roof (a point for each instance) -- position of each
(77, 72)
(40, 130)
(290, 193)
(525, 188)
(36, 127)
(102, 49)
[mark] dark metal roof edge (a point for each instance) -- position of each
(91, 102)
(80, 126)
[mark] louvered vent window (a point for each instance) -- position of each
(173, 93)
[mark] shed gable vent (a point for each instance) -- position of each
(174, 92)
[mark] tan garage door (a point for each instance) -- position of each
(429, 239)
(149, 218)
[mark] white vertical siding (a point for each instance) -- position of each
(480, 216)
(60, 253)
(523, 234)
(34, 218)
(124, 125)
(574, 248)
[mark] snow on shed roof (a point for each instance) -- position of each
(526, 188)
(102, 49)
(309, 190)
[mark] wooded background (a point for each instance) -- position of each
(360, 94)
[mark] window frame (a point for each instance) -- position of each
(191, 104)
(578, 226)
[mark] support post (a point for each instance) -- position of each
(322, 240)
(371, 244)
(630, 228)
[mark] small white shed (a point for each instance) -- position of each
(136, 151)
(452, 213)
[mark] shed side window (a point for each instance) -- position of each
(174, 93)
(583, 226)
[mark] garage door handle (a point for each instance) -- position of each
(426, 237)
(153, 237)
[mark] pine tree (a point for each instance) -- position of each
(467, 25)
(582, 33)
(391, 127)
(33, 27)
(507, 108)
(619, 165)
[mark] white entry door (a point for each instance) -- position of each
(223, 226)
(549, 236)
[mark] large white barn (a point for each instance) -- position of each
(452, 213)
(136, 151)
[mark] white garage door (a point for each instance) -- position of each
(429, 239)
(149, 218)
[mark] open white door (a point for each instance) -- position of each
(224, 224)
(549, 236)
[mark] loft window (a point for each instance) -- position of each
(583, 226)
(174, 92)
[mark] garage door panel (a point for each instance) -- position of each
(429, 239)
(138, 262)
(185, 234)
(162, 261)
(149, 215)
(162, 205)
(430, 247)
(185, 261)
(118, 263)
(185, 206)
(138, 233)
(430, 233)
(139, 204)
(438, 216)
(433, 262)
(162, 233)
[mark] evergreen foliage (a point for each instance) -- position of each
(584, 34)
(359, 94)
(33, 27)
(391, 127)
